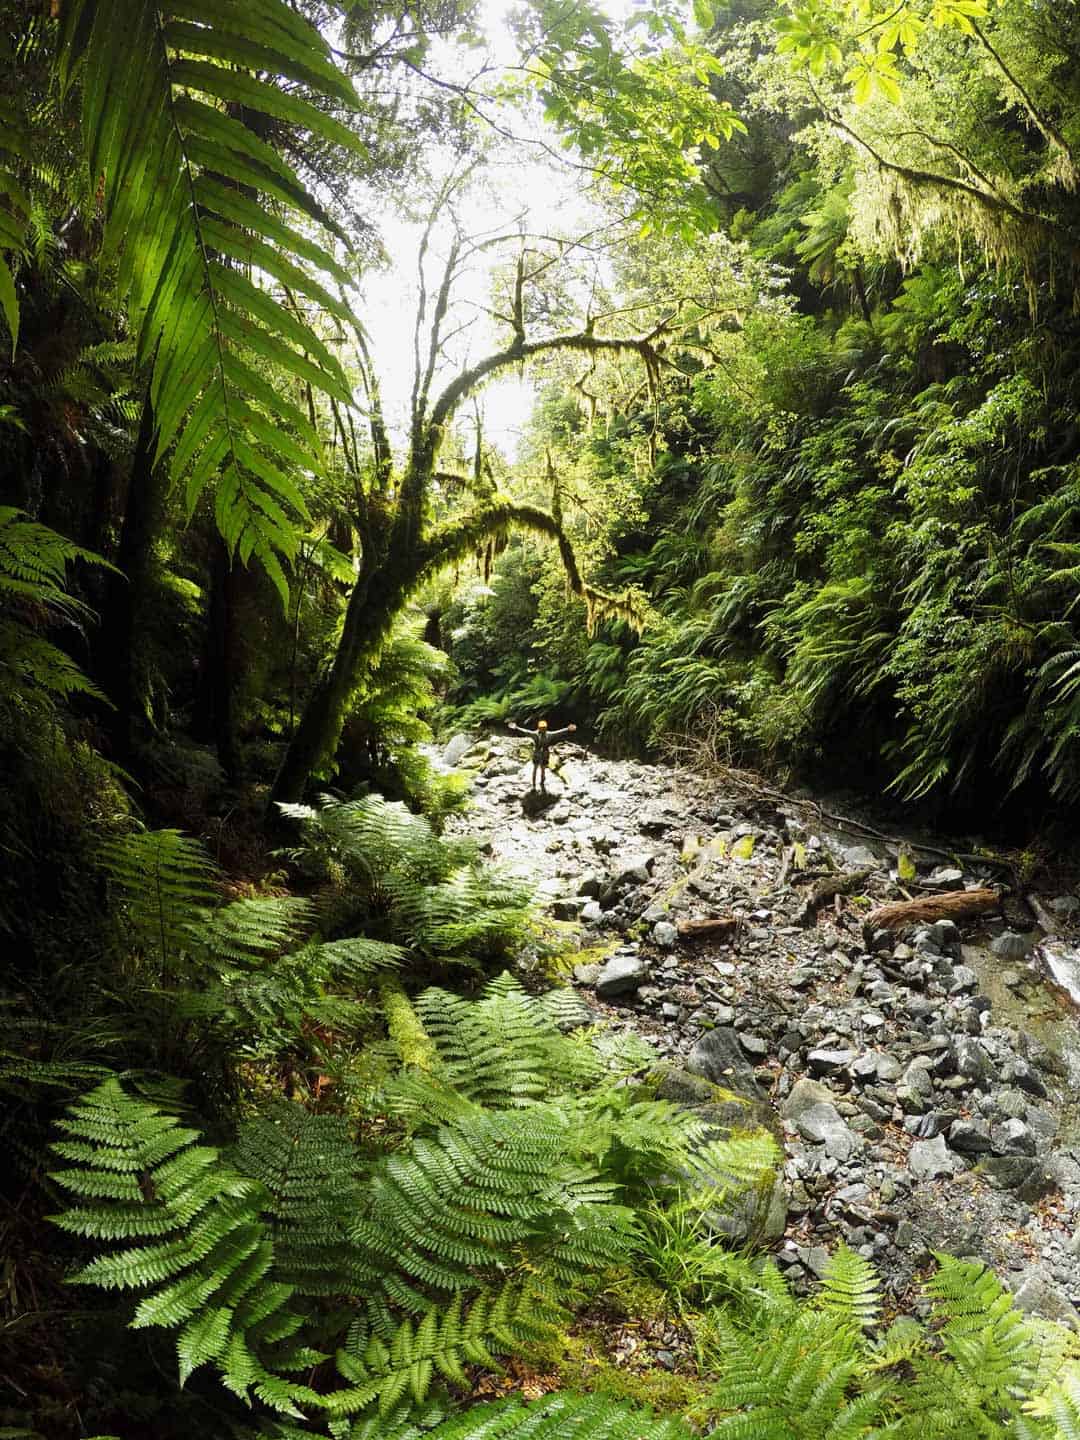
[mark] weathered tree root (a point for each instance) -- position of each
(828, 888)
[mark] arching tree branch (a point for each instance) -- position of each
(463, 536)
(513, 354)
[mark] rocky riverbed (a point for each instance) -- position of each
(925, 1084)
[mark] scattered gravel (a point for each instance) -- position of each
(917, 1109)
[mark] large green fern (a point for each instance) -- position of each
(791, 1377)
(504, 1048)
(990, 1356)
(382, 1370)
(214, 234)
(249, 971)
(485, 1196)
(311, 1170)
(164, 884)
(33, 588)
(391, 874)
(563, 1416)
(850, 1289)
(187, 1231)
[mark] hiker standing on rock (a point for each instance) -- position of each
(541, 739)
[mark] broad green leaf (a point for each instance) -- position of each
(221, 42)
(242, 89)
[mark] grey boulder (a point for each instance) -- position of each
(719, 1057)
(621, 975)
(456, 748)
(822, 1125)
(928, 1159)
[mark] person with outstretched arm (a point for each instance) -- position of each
(542, 739)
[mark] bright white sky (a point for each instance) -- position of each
(523, 184)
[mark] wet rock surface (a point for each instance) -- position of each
(925, 1083)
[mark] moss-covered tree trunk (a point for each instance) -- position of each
(375, 601)
(399, 553)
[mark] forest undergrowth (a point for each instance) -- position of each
(303, 1139)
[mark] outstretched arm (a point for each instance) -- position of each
(519, 728)
(558, 734)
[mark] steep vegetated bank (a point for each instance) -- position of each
(853, 508)
(306, 1137)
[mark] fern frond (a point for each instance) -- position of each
(739, 1163)
(180, 181)
(164, 882)
(850, 1289)
(209, 1270)
(790, 1373)
(384, 1371)
(33, 581)
(247, 931)
(482, 1196)
(988, 1338)
(562, 1416)
(505, 1048)
(310, 1167)
(427, 891)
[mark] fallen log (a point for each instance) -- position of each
(719, 926)
(950, 905)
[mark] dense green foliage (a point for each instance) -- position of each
(857, 528)
(508, 1186)
(286, 1160)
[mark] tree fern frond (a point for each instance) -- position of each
(427, 891)
(737, 1163)
(987, 1336)
(504, 1048)
(310, 1167)
(180, 177)
(382, 1372)
(562, 1416)
(33, 582)
(246, 931)
(482, 1195)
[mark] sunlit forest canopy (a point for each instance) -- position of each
(693, 389)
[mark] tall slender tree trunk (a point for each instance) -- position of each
(860, 291)
(126, 600)
(216, 719)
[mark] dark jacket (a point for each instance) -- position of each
(541, 741)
